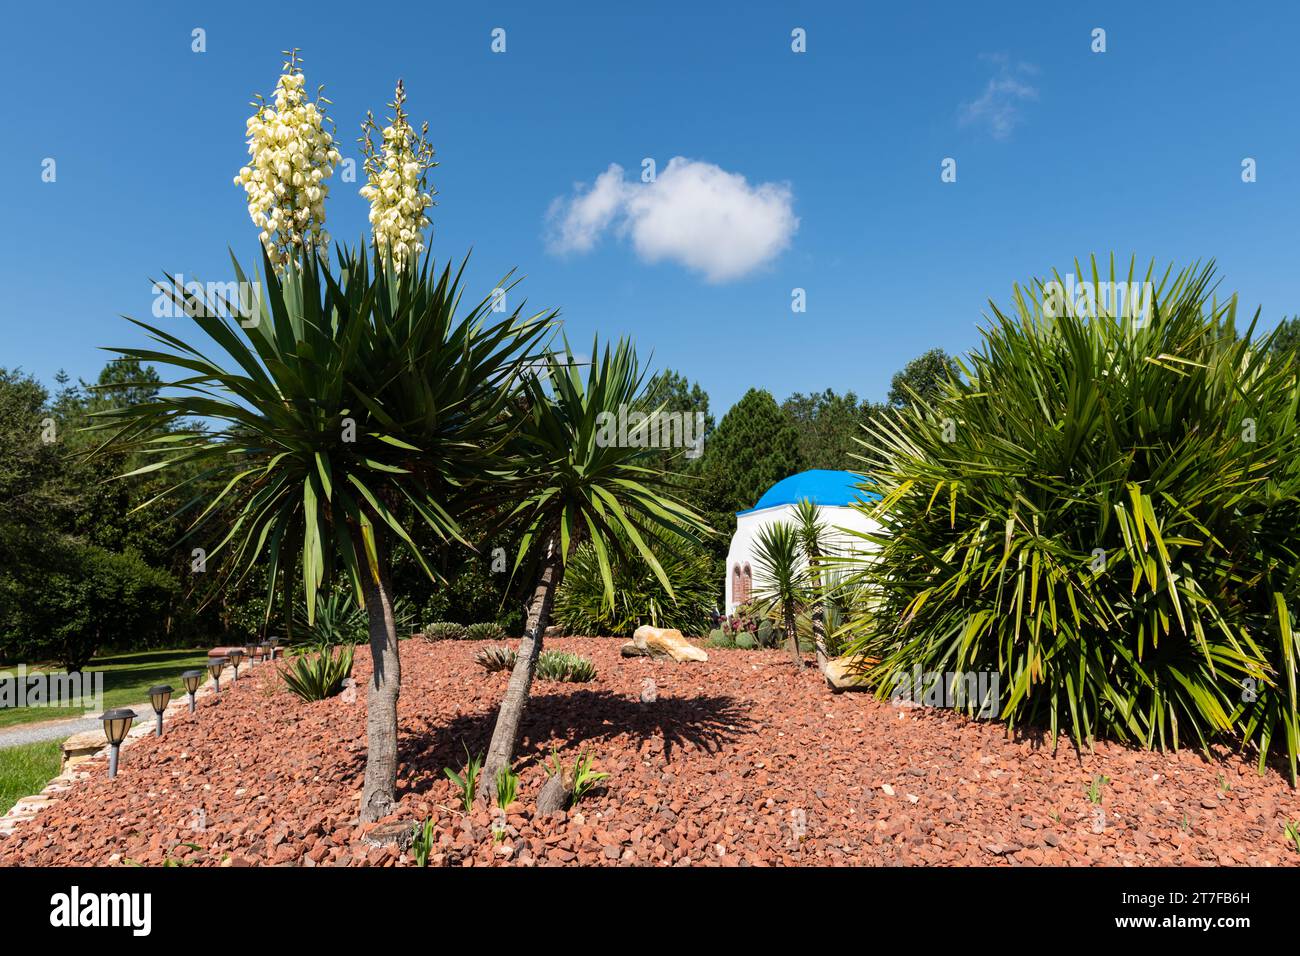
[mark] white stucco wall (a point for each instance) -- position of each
(836, 519)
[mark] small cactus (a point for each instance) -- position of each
(718, 638)
(745, 641)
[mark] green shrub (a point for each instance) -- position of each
(1105, 513)
(639, 598)
(499, 657)
(317, 675)
(445, 631)
(564, 666)
(485, 631)
(745, 641)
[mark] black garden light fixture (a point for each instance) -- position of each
(235, 657)
(116, 724)
(160, 696)
(192, 681)
(215, 666)
(271, 644)
(251, 651)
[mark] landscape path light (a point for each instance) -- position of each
(272, 643)
(250, 651)
(160, 696)
(215, 666)
(192, 681)
(116, 724)
(235, 657)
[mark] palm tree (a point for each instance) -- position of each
(779, 581)
(343, 413)
(811, 533)
(582, 482)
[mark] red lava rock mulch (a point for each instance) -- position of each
(740, 761)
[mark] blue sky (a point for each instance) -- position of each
(1060, 152)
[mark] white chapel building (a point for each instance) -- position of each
(834, 493)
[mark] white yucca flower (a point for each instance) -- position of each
(397, 182)
(291, 157)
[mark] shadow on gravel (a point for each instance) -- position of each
(579, 717)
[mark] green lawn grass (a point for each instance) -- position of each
(26, 770)
(127, 679)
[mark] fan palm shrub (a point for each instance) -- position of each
(779, 579)
(1104, 514)
(579, 485)
(341, 409)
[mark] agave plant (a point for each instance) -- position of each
(498, 657)
(340, 409)
(1104, 514)
(578, 485)
(317, 675)
(779, 578)
(565, 667)
(485, 631)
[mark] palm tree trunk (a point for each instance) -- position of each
(505, 736)
(379, 792)
(818, 614)
(793, 631)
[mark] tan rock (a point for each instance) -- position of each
(662, 644)
(848, 673)
(81, 747)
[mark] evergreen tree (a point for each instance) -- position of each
(753, 448)
(922, 377)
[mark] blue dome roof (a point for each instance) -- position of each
(822, 487)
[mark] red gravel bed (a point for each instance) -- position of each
(740, 761)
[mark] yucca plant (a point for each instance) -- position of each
(337, 411)
(814, 542)
(582, 482)
(779, 587)
(1104, 514)
(317, 675)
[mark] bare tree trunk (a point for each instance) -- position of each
(379, 792)
(505, 736)
(793, 631)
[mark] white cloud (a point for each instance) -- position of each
(695, 214)
(998, 108)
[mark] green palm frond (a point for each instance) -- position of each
(335, 412)
(1104, 512)
(581, 480)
